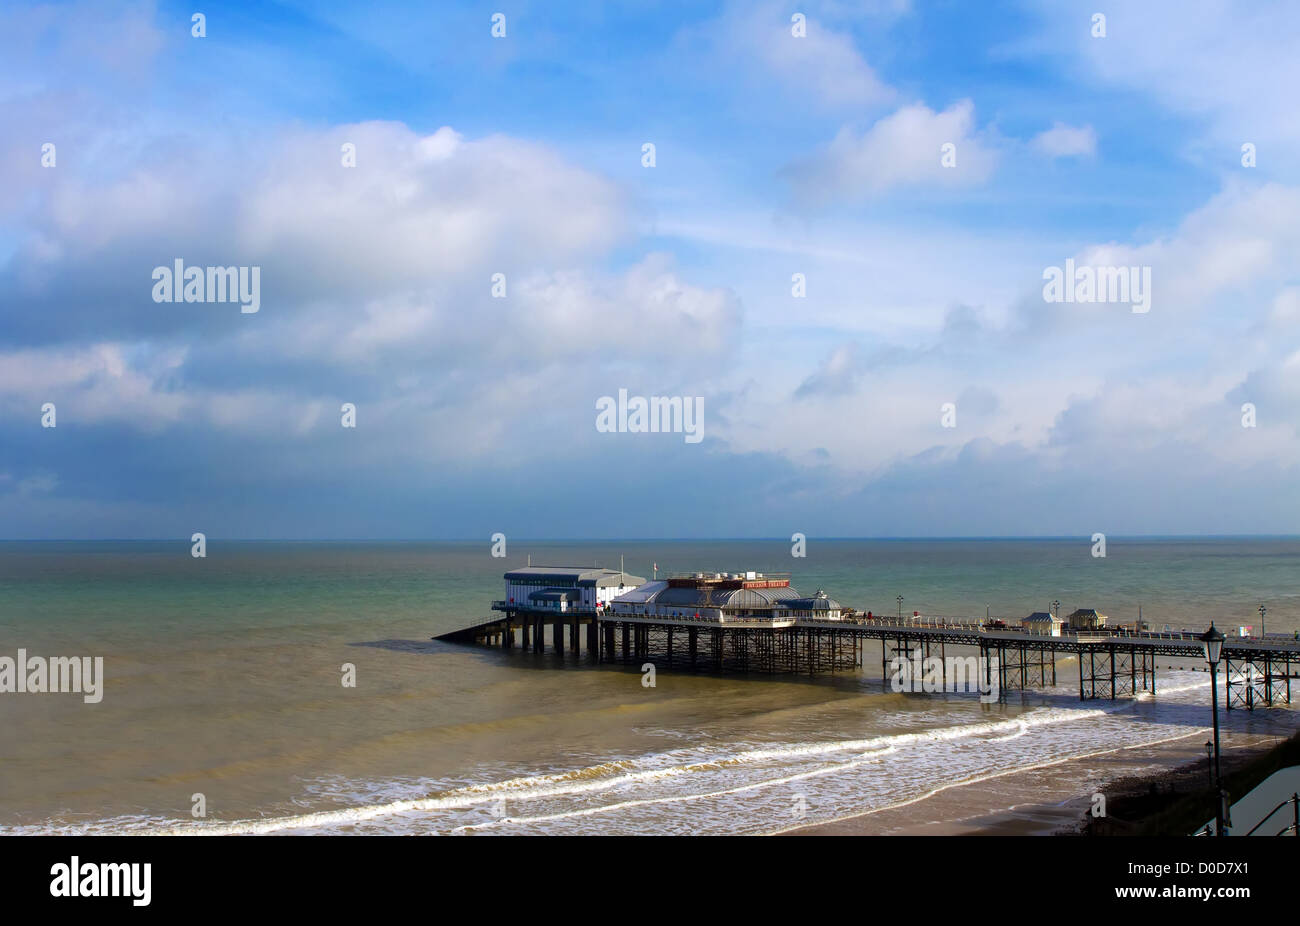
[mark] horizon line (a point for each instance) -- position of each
(719, 539)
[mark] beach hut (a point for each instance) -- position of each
(1086, 619)
(1043, 622)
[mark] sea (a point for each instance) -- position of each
(224, 706)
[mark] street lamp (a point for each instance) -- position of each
(900, 609)
(1212, 640)
(1262, 611)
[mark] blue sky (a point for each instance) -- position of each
(775, 155)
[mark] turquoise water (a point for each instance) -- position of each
(223, 678)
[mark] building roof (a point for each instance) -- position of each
(1040, 617)
(1086, 612)
(580, 576)
(760, 597)
(818, 602)
(643, 593)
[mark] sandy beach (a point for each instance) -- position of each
(1047, 799)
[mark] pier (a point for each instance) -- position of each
(751, 622)
(1112, 664)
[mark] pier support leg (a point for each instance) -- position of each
(627, 633)
(692, 641)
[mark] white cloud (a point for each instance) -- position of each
(38, 484)
(1231, 63)
(904, 149)
(1063, 141)
(824, 62)
(837, 375)
(108, 382)
(1068, 383)
(754, 45)
(1286, 307)
(416, 208)
(376, 288)
(1242, 244)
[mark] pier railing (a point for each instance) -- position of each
(929, 622)
(938, 622)
(1293, 827)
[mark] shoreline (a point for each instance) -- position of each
(1050, 798)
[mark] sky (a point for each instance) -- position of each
(839, 251)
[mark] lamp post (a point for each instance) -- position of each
(1262, 611)
(900, 609)
(1212, 640)
(1209, 761)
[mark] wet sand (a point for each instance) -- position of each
(1050, 798)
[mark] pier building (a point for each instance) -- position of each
(726, 596)
(566, 588)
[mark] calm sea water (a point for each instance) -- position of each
(223, 679)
